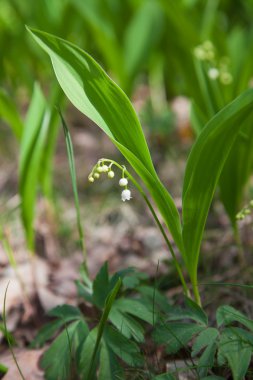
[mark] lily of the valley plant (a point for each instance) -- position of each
(94, 94)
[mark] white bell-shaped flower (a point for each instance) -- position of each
(123, 182)
(126, 195)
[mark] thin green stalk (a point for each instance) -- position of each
(108, 305)
(168, 243)
(196, 294)
(71, 160)
(7, 335)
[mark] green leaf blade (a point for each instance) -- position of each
(92, 92)
(203, 170)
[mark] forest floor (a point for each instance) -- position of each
(122, 233)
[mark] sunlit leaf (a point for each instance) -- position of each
(204, 166)
(99, 98)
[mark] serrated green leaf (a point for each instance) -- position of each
(192, 311)
(244, 335)
(135, 308)
(235, 352)
(109, 368)
(57, 360)
(154, 299)
(203, 169)
(127, 325)
(86, 356)
(101, 286)
(83, 291)
(225, 315)
(206, 360)
(65, 312)
(95, 95)
(120, 274)
(196, 311)
(130, 282)
(46, 332)
(175, 335)
(124, 348)
(205, 338)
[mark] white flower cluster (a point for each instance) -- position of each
(217, 69)
(101, 167)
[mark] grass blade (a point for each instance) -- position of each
(71, 160)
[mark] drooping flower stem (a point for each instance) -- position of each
(168, 243)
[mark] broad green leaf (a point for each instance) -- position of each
(86, 356)
(236, 171)
(83, 291)
(155, 300)
(203, 169)
(99, 98)
(127, 325)
(101, 286)
(135, 308)
(213, 377)
(9, 113)
(244, 335)
(46, 332)
(124, 348)
(192, 311)
(175, 335)
(47, 165)
(120, 274)
(32, 147)
(141, 35)
(205, 338)
(206, 360)
(196, 312)
(236, 353)
(57, 360)
(225, 315)
(109, 368)
(65, 312)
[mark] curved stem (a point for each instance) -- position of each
(168, 243)
(195, 290)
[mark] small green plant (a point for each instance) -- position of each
(210, 350)
(218, 81)
(99, 98)
(116, 317)
(37, 136)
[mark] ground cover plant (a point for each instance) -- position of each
(189, 316)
